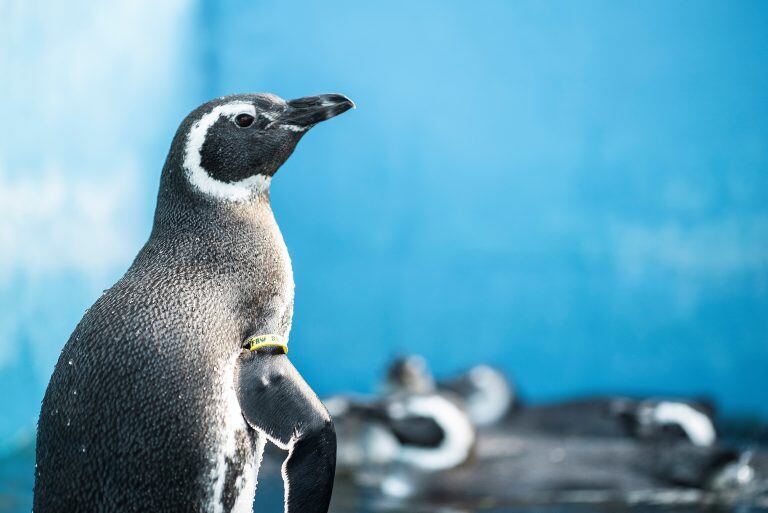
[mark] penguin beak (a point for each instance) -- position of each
(304, 113)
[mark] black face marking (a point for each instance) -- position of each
(237, 149)
(409, 374)
(240, 146)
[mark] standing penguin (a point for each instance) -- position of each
(173, 381)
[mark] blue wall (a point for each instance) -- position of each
(577, 192)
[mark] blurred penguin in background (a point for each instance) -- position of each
(409, 431)
(612, 444)
(491, 400)
(485, 392)
(488, 395)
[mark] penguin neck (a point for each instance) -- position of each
(238, 243)
(221, 232)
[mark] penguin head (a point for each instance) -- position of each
(232, 146)
(409, 374)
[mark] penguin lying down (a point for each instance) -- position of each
(167, 391)
(491, 399)
(602, 449)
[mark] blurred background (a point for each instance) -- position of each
(576, 192)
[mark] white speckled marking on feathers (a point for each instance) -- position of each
(237, 457)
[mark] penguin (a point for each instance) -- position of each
(410, 427)
(173, 381)
(560, 452)
(641, 419)
(428, 432)
(485, 392)
(491, 401)
(389, 443)
(408, 375)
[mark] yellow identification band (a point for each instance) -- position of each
(270, 340)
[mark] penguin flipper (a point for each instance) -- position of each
(276, 400)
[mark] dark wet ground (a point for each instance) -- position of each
(16, 480)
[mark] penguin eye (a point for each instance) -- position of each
(244, 120)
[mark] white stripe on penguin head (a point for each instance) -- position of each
(197, 175)
(697, 426)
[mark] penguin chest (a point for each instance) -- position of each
(272, 293)
(285, 284)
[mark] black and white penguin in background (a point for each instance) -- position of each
(486, 394)
(173, 381)
(612, 445)
(409, 430)
(491, 401)
(643, 419)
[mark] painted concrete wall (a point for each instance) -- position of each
(577, 192)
